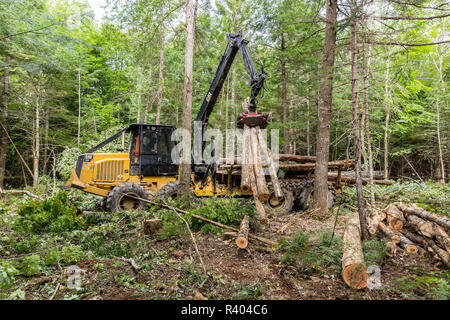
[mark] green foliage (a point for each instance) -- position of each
(374, 252)
(250, 292)
(72, 254)
(53, 256)
(7, 273)
(431, 285)
(310, 257)
(66, 162)
(50, 215)
(31, 265)
(26, 245)
(229, 211)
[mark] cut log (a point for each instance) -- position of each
(261, 186)
(229, 235)
(246, 166)
(397, 237)
(441, 237)
(377, 218)
(432, 247)
(258, 204)
(152, 226)
(242, 238)
(415, 210)
(354, 271)
(294, 158)
(423, 227)
(267, 154)
(394, 218)
(310, 166)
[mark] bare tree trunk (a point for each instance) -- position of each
(150, 97)
(356, 127)
(284, 95)
(439, 67)
(387, 106)
(5, 104)
(46, 148)
(161, 69)
(366, 66)
(185, 170)
(324, 110)
(79, 106)
(36, 137)
(308, 153)
(233, 99)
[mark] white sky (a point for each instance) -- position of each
(96, 5)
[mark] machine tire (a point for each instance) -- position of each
(117, 200)
(170, 190)
(284, 207)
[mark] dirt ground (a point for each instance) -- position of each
(172, 270)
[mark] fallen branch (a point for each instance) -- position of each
(131, 262)
(28, 193)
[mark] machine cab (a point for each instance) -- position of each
(150, 150)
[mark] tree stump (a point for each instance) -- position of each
(152, 226)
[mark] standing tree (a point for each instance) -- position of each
(185, 170)
(324, 110)
(356, 126)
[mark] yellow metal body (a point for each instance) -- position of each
(107, 170)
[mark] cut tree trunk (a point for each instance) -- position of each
(377, 218)
(424, 227)
(258, 204)
(414, 210)
(354, 271)
(263, 191)
(247, 169)
(294, 157)
(242, 238)
(398, 238)
(272, 171)
(395, 218)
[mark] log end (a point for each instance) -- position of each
(245, 188)
(412, 249)
(355, 275)
(242, 242)
(395, 239)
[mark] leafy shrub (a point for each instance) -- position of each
(53, 256)
(31, 265)
(7, 273)
(72, 254)
(374, 252)
(229, 211)
(26, 245)
(50, 215)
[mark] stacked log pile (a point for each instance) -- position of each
(255, 156)
(414, 229)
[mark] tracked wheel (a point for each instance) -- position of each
(121, 199)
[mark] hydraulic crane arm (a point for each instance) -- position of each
(235, 43)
